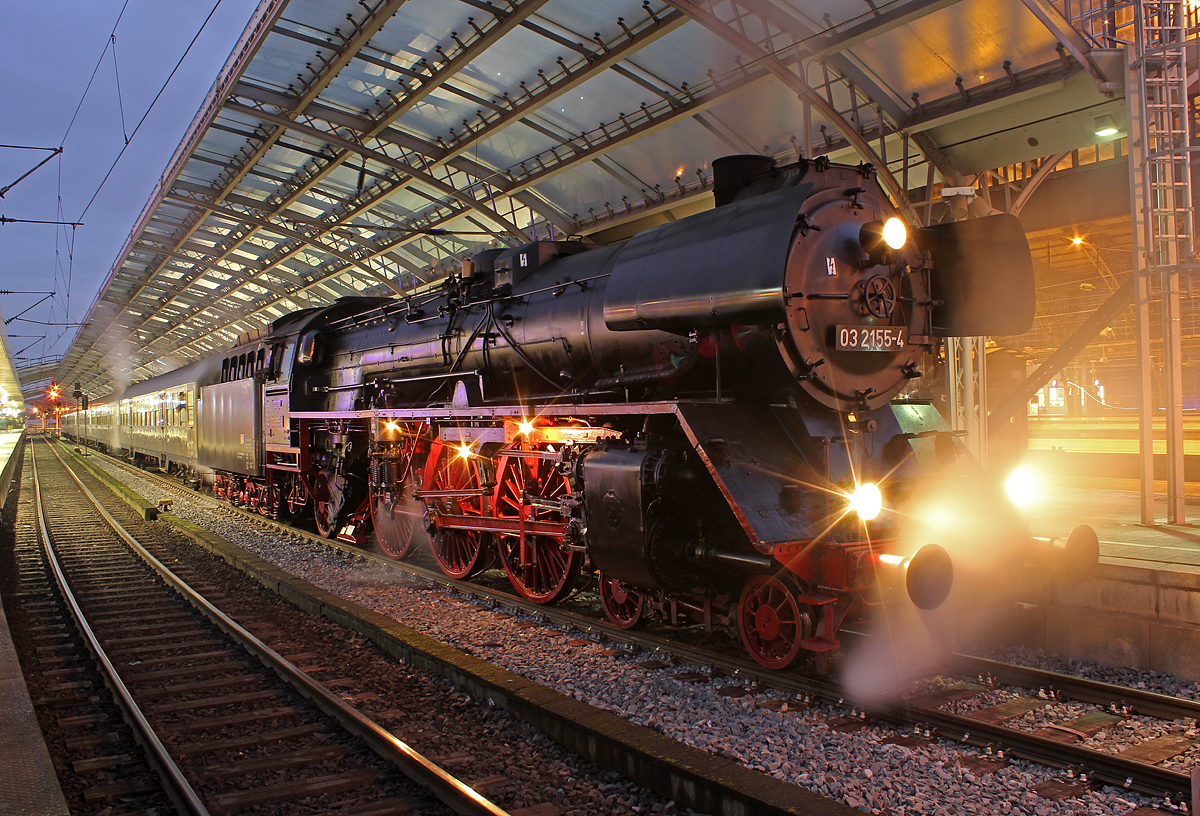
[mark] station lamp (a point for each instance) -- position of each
(1105, 125)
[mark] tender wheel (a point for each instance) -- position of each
(541, 568)
(770, 622)
(623, 605)
(460, 553)
(328, 505)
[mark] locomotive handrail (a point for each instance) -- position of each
(449, 375)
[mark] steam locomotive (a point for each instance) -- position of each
(701, 419)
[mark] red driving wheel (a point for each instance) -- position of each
(540, 567)
(460, 553)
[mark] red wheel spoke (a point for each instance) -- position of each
(460, 553)
(770, 622)
(549, 571)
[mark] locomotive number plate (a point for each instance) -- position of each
(870, 338)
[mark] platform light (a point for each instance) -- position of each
(1105, 125)
(1022, 486)
(867, 501)
(1076, 240)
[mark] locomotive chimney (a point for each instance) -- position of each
(732, 173)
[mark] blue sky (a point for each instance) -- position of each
(48, 51)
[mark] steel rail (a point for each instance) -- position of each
(1123, 773)
(451, 791)
(177, 787)
(1149, 703)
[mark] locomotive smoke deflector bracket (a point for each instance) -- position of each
(982, 279)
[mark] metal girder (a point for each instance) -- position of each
(893, 16)
(587, 147)
(929, 114)
(653, 28)
(1116, 303)
(804, 91)
(1041, 175)
(803, 34)
(1071, 39)
(235, 274)
(279, 229)
(572, 76)
(387, 161)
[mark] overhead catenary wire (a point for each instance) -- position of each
(95, 70)
(153, 102)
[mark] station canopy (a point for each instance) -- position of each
(368, 147)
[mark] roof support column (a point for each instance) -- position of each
(1160, 176)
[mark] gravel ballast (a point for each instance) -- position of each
(796, 745)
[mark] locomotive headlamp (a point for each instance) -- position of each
(392, 426)
(895, 234)
(867, 501)
(464, 451)
(1022, 486)
(878, 240)
(525, 427)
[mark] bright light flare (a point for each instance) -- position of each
(1022, 486)
(867, 501)
(895, 234)
(464, 451)
(938, 516)
(525, 427)
(392, 426)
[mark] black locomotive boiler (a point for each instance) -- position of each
(701, 419)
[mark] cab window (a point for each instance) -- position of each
(310, 348)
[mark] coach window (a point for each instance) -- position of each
(260, 360)
(191, 407)
(225, 370)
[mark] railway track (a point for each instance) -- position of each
(229, 723)
(943, 710)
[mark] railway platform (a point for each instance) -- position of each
(10, 442)
(1141, 606)
(28, 782)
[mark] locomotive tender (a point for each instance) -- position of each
(700, 418)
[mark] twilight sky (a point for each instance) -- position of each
(48, 51)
